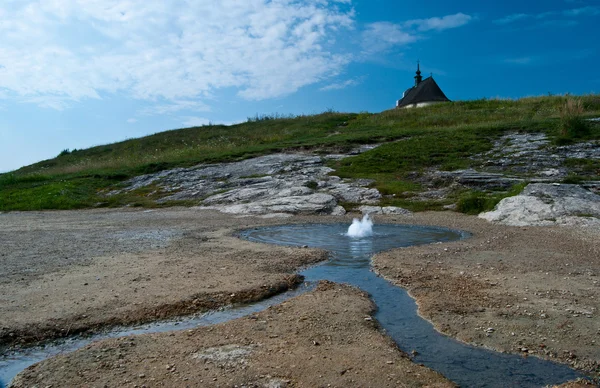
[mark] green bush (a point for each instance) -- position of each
(312, 185)
(475, 203)
(572, 124)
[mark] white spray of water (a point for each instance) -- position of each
(361, 228)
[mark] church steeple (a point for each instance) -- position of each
(418, 77)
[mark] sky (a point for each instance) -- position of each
(80, 73)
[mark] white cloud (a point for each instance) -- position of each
(512, 18)
(192, 121)
(342, 84)
(49, 101)
(132, 121)
(56, 52)
(569, 13)
(173, 106)
(440, 24)
(585, 11)
(382, 36)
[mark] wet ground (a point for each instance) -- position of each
(65, 272)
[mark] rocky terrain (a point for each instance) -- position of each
(278, 183)
(524, 157)
(301, 183)
(547, 204)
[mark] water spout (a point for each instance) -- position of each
(361, 228)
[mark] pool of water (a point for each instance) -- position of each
(466, 365)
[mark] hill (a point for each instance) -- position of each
(420, 148)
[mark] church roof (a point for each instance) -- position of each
(426, 90)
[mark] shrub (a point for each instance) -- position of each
(475, 203)
(312, 185)
(572, 124)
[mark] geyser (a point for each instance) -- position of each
(361, 228)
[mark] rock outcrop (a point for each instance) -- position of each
(278, 183)
(548, 204)
(383, 210)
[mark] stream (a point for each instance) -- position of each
(349, 263)
(466, 365)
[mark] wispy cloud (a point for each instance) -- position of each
(584, 11)
(440, 23)
(58, 52)
(343, 84)
(569, 13)
(174, 106)
(192, 121)
(547, 58)
(49, 101)
(512, 18)
(381, 36)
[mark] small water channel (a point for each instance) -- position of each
(397, 312)
(466, 365)
(14, 362)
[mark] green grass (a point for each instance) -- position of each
(441, 136)
(475, 202)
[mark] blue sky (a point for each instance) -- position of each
(79, 73)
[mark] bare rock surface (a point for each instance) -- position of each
(533, 156)
(315, 203)
(278, 183)
(301, 183)
(547, 204)
(383, 210)
(514, 158)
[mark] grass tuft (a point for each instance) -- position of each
(572, 124)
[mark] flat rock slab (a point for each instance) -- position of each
(278, 183)
(383, 210)
(548, 204)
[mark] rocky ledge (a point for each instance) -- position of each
(302, 183)
(279, 183)
(548, 204)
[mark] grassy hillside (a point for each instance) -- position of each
(441, 135)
